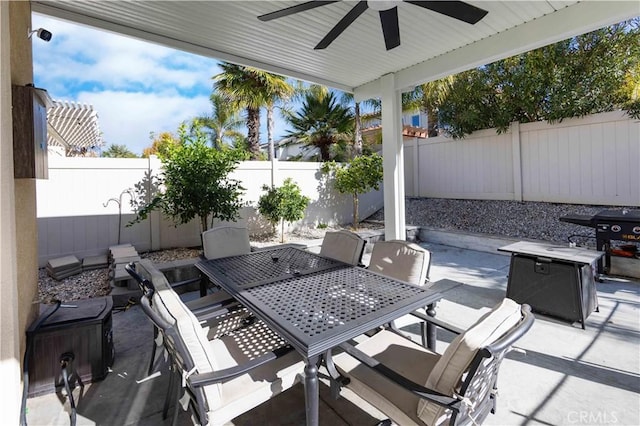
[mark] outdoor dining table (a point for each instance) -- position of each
(313, 302)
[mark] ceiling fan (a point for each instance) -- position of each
(388, 11)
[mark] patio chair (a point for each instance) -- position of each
(225, 240)
(415, 386)
(222, 378)
(344, 246)
(404, 261)
(225, 315)
(217, 242)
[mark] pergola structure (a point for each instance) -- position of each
(370, 48)
(73, 126)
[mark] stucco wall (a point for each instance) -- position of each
(18, 225)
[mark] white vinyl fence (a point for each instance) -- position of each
(79, 205)
(590, 160)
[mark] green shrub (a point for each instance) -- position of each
(358, 176)
(196, 182)
(284, 203)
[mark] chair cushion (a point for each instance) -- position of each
(343, 245)
(401, 260)
(401, 355)
(250, 390)
(224, 241)
(169, 306)
(446, 375)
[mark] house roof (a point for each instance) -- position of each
(432, 45)
(408, 131)
(73, 126)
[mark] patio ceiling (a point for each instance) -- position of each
(432, 45)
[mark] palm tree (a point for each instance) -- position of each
(276, 89)
(357, 140)
(223, 123)
(242, 86)
(251, 88)
(321, 122)
(428, 97)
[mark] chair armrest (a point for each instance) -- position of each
(437, 322)
(419, 390)
(204, 379)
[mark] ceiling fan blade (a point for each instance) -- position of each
(342, 25)
(454, 9)
(294, 9)
(390, 27)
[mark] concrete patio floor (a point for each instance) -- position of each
(568, 376)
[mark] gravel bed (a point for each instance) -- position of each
(525, 220)
(514, 219)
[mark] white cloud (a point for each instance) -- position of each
(128, 118)
(81, 54)
(136, 87)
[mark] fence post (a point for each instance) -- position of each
(155, 217)
(517, 161)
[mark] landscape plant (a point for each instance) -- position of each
(587, 74)
(321, 122)
(195, 182)
(282, 204)
(359, 176)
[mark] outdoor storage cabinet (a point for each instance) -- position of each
(85, 330)
(29, 106)
(558, 281)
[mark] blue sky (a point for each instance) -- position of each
(136, 87)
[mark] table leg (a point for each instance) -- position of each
(204, 283)
(429, 331)
(311, 390)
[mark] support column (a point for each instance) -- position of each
(393, 160)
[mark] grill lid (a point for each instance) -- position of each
(617, 216)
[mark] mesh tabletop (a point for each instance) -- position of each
(266, 266)
(315, 310)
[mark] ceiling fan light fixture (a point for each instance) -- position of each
(381, 5)
(388, 11)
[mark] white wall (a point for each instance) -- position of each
(590, 160)
(72, 218)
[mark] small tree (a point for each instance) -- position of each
(359, 176)
(196, 182)
(118, 151)
(284, 203)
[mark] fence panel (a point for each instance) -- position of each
(73, 218)
(589, 160)
(478, 167)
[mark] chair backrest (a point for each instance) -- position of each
(401, 260)
(469, 366)
(344, 246)
(143, 283)
(223, 241)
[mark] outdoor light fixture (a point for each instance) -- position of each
(42, 34)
